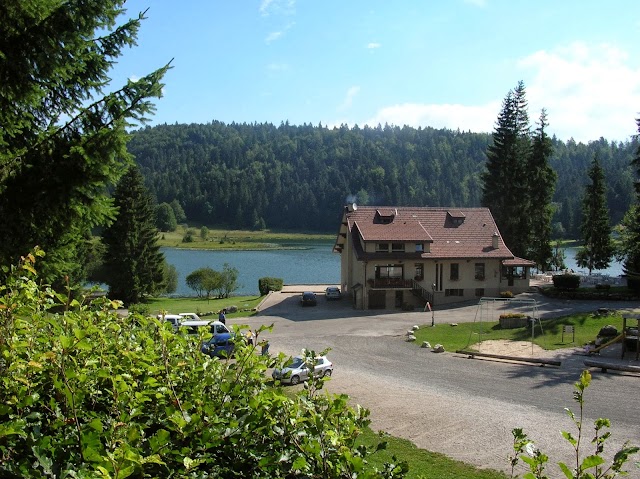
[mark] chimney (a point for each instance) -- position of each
(494, 240)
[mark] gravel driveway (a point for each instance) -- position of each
(445, 402)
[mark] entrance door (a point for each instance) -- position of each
(399, 298)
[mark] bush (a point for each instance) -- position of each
(506, 294)
(267, 284)
(84, 393)
(566, 281)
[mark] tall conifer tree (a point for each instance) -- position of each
(597, 249)
(630, 232)
(133, 262)
(542, 180)
(505, 183)
(62, 140)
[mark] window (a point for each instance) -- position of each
(454, 292)
(479, 292)
(454, 272)
(382, 247)
(419, 247)
(397, 247)
(480, 271)
(389, 271)
(419, 272)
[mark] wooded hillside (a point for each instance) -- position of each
(299, 177)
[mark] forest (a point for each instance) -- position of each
(256, 176)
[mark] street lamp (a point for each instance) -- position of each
(433, 300)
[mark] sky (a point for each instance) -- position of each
(422, 63)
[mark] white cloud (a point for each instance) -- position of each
(348, 100)
(475, 118)
(589, 91)
(284, 7)
(273, 36)
(373, 45)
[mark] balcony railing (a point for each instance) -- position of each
(390, 283)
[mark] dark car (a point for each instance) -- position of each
(309, 299)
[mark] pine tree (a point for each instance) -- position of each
(505, 181)
(62, 140)
(630, 232)
(542, 179)
(133, 262)
(597, 249)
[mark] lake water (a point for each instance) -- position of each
(315, 264)
(614, 269)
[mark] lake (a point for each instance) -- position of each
(311, 263)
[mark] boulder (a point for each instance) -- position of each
(426, 344)
(415, 327)
(411, 337)
(438, 348)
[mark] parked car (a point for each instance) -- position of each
(221, 344)
(174, 319)
(309, 299)
(190, 316)
(296, 370)
(332, 292)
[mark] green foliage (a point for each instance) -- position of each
(63, 141)
(205, 281)
(204, 233)
(591, 466)
(87, 394)
(267, 284)
(566, 281)
(134, 264)
(178, 211)
(170, 274)
(165, 218)
(597, 249)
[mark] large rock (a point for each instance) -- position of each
(438, 348)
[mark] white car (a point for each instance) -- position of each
(296, 370)
(332, 292)
(190, 317)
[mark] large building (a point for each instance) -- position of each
(394, 257)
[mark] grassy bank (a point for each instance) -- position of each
(465, 335)
(205, 308)
(222, 239)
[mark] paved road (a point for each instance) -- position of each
(411, 390)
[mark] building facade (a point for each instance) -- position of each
(404, 257)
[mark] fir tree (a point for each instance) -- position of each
(597, 249)
(62, 140)
(134, 262)
(542, 179)
(630, 231)
(505, 188)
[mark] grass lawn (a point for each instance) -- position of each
(422, 463)
(454, 338)
(201, 306)
(218, 239)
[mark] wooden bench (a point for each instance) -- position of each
(540, 361)
(604, 366)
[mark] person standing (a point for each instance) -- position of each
(222, 316)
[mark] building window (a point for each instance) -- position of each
(389, 271)
(454, 292)
(454, 272)
(419, 272)
(480, 271)
(419, 247)
(479, 292)
(382, 247)
(397, 247)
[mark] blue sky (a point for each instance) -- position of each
(438, 63)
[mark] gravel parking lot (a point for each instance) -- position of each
(446, 403)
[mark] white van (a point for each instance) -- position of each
(174, 319)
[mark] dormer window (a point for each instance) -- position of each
(385, 216)
(382, 247)
(455, 217)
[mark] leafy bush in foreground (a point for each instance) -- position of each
(84, 393)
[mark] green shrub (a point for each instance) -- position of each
(506, 294)
(84, 393)
(566, 281)
(267, 284)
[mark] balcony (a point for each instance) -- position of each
(390, 283)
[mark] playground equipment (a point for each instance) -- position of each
(629, 336)
(488, 307)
